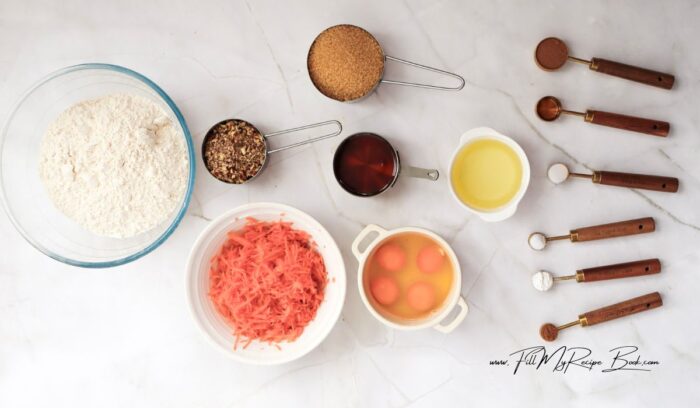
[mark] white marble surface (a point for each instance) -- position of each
(123, 337)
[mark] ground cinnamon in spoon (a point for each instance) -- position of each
(345, 62)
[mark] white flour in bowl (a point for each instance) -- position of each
(117, 165)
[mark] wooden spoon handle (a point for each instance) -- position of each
(615, 229)
(626, 308)
(617, 271)
(641, 181)
(631, 123)
(642, 75)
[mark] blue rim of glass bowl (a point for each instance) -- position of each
(190, 150)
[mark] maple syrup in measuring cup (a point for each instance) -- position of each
(366, 164)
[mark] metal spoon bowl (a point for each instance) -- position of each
(548, 108)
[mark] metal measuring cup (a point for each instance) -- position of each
(377, 144)
(264, 139)
(381, 79)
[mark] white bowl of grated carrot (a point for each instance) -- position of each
(205, 298)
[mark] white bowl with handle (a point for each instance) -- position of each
(454, 299)
(218, 331)
(507, 210)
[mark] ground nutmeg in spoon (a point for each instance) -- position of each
(345, 62)
(234, 151)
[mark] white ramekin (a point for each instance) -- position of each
(454, 298)
(506, 211)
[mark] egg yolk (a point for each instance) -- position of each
(430, 259)
(385, 290)
(421, 296)
(391, 257)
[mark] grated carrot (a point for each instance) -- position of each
(267, 280)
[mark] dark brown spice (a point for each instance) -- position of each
(234, 151)
(345, 62)
(551, 53)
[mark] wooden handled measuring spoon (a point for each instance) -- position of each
(552, 53)
(549, 108)
(538, 241)
(558, 173)
(543, 280)
(549, 332)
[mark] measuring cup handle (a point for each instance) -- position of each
(427, 68)
(419, 172)
(449, 327)
(641, 181)
(613, 230)
(361, 237)
(618, 271)
(338, 125)
(633, 124)
(637, 74)
(622, 309)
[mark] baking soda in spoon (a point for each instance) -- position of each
(543, 280)
(538, 241)
(559, 173)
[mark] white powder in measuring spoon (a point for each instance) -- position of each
(117, 165)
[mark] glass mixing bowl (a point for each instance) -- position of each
(22, 193)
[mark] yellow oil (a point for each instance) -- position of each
(486, 174)
(441, 280)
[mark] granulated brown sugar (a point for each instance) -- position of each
(345, 62)
(234, 151)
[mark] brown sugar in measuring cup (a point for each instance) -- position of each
(346, 63)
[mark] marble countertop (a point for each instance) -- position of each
(124, 336)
